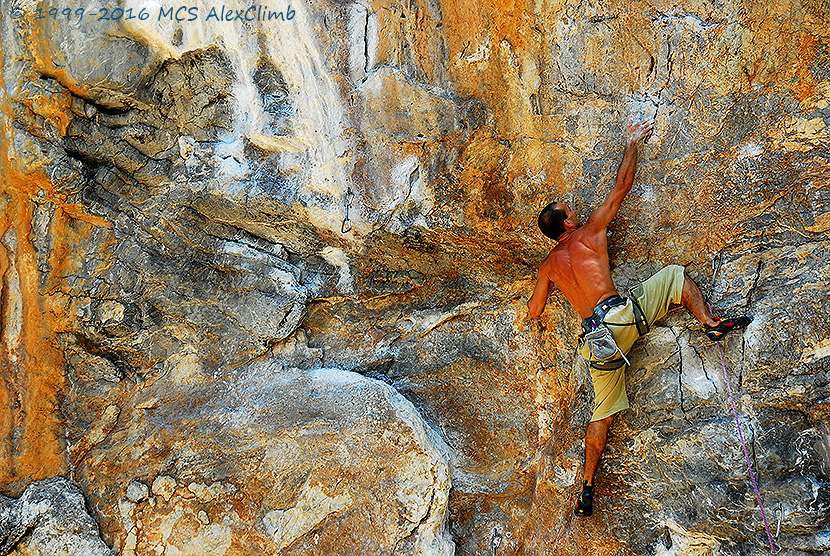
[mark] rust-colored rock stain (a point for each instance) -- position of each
(32, 367)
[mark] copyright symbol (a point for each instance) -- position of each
(17, 12)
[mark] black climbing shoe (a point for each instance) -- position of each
(585, 502)
(725, 326)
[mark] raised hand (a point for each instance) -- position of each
(637, 131)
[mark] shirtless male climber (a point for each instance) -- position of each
(578, 265)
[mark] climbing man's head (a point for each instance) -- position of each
(553, 220)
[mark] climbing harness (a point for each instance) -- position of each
(346, 227)
(746, 452)
(596, 333)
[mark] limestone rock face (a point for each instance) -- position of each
(268, 460)
(49, 519)
(263, 273)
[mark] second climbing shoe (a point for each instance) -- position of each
(585, 502)
(725, 326)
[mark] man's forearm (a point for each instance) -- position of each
(628, 166)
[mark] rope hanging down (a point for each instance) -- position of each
(746, 452)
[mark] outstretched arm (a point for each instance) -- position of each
(606, 212)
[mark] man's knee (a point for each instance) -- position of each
(605, 422)
(677, 283)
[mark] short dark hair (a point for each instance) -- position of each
(552, 221)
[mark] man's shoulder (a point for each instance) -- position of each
(594, 224)
(554, 253)
(592, 234)
(555, 259)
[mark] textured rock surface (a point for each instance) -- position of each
(175, 273)
(268, 460)
(49, 519)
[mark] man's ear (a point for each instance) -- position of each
(569, 225)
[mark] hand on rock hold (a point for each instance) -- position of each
(639, 130)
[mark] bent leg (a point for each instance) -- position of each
(672, 286)
(693, 300)
(596, 437)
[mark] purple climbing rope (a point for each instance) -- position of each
(746, 452)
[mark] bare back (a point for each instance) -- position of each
(579, 267)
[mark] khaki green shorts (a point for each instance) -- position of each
(655, 295)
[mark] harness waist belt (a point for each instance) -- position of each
(598, 318)
(602, 308)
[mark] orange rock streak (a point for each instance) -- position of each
(31, 366)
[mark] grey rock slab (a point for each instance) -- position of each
(49, 519)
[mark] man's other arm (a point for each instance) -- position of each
(606, 212)
(540, 294)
